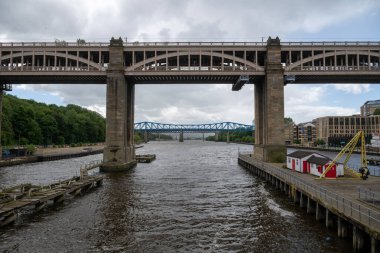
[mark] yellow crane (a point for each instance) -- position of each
(348, 149)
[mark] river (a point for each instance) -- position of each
(193, 198)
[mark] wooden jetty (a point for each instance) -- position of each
(14, 199)
(335, 202)
(145, 158)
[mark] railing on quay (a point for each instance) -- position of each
(354, 210)
(369, 196)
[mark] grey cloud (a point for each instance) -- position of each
(41, 19)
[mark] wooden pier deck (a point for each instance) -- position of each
(340, 203)
(14, 199)
(145, 158)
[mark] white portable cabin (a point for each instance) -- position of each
(297, 160)
(318, 165)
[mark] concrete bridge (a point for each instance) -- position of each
(269, 66)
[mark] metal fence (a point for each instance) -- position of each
(372, 171)
(369, 196)
(352, 209)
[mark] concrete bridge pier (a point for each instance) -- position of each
(119, 152)
(159, 136)
(181, 136)
(146, 136)
(203, 136)
(216, 137)
(269, 108)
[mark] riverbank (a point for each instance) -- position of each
(52, 154)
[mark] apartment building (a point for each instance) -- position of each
(335, 128)
(368, 108)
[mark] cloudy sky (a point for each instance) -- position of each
(197, 20)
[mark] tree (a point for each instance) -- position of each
(320, 142)
(28, 122)
(81, 41)
(377, 111)
(288, 120)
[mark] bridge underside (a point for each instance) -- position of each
(189, 78)
(336, 78)
(54, 78)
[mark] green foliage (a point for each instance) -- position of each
(81, 41)
(60, 42)
(30, 149)
(319, 142)
(28, 122)
(377, 111)
(239, 135)
(298, 141)
(137, 138)
(151, 137)
(288, 120)
(277, 157)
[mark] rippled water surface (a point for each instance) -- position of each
(193, 198)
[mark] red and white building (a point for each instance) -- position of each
(296, 160)
(312, 163)
(318, 165)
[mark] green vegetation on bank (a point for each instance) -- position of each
(139, 137)
(29, 122)
(241, 136)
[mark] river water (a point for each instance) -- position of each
(193, 198)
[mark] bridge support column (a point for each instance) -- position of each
(203, 136)
(181, 136)
(216, 137)
(269, 108)
(159, 136)
(119, 152)
(146, 136)
(228, 136)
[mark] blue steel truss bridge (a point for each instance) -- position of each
(154, 127)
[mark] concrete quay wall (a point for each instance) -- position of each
(351, 218)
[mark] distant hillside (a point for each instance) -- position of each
(31, 122)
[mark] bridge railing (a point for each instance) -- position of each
(332, 43)
(142, 44)
(333, 68)
(54, 44)
(51, 69)
(164, 44)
